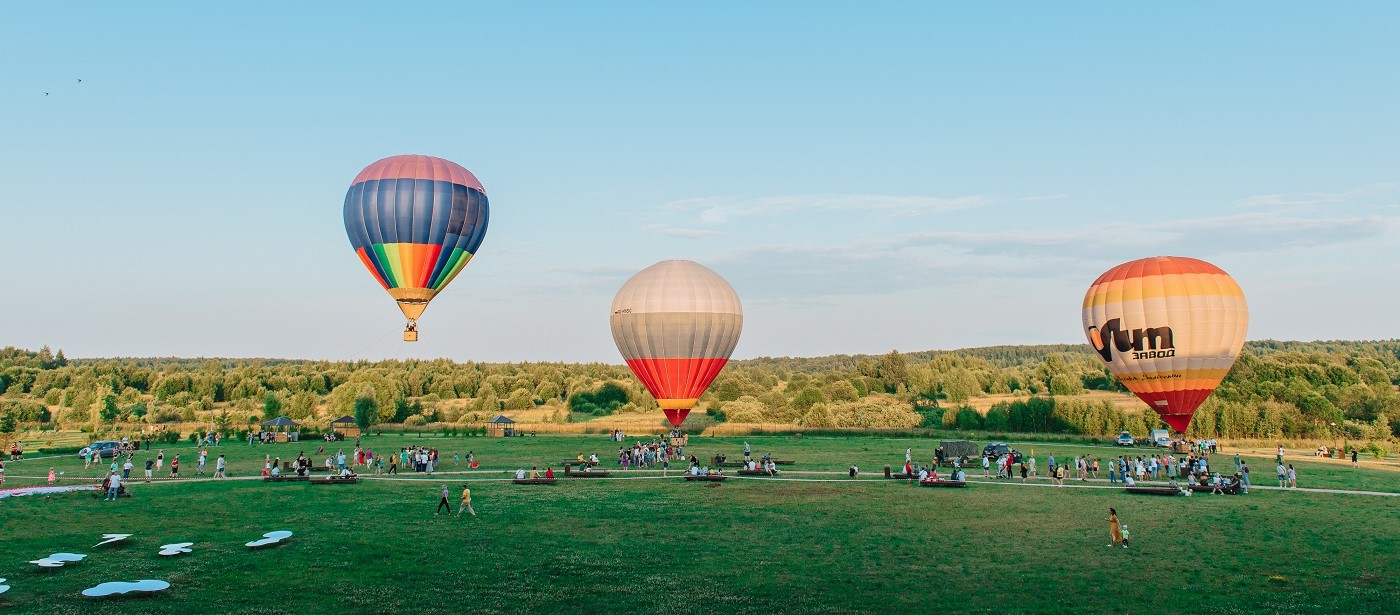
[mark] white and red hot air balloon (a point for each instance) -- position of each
(1169, 328)
(676, 323)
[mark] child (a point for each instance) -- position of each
(52, 478)
(1125, 535)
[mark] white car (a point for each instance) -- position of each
(1124, 439)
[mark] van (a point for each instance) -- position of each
(1160, 437)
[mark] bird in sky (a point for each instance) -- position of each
(80, 81)
(46, 93)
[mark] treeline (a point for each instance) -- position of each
(1277, 389)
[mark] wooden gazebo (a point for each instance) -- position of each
(501, 426)
(346, 427)
(279, 425)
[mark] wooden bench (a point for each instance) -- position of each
(285, 478)
(534, 481)
(334, 480)
(568, 471)
(756, 472)
(942, 483)
(1152, 490)
(712, 478)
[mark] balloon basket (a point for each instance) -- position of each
(410, 336)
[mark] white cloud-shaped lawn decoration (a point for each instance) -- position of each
(121, 588)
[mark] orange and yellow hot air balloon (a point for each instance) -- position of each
(1169, 328)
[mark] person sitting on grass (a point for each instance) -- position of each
(1128, 481)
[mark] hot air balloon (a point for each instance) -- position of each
(1169, 328)
(415, 221)
(676, 323)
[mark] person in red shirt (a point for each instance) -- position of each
(549, 472)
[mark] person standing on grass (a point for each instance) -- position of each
(1244, 478)
(126, 469)
(160, 459)
(1025, 471)
(393, 465)
(466, 502)
(1280, 453)
(114, 487)
(52, 478)
(1354, 463)
(149, 464)
(175, 467)
(986, 466)
(219, 466)
(1282, 475)
(1292, 477)
(1115, 531)
(443, 502)
(203, 455)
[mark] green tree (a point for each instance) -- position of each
(272, 406)
(366, 411)
(894, 371)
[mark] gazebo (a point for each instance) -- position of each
(501, 427)
(345, 426)
(280, 425)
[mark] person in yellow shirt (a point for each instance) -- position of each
(466, 502)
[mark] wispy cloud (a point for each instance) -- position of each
(929, 259)
(719, 210)
(689, 233)
(1305, 201)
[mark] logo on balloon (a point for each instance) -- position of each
(1147, 343)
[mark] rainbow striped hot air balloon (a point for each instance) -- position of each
(676, 323)
(1169, 328)
(415, 221)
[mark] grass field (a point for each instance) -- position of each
(647, 544)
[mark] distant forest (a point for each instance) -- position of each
(1276, 389)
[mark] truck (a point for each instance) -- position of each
(954, 449)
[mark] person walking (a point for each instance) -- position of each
(1115, 531)
(443, 503)
(149, 464)
(1292, 477)
(466, 502)
(203, 455)
(1354, 463)
(219, 466)
(1244, 478)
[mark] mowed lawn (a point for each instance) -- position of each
(648, 544)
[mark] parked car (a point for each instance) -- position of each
(997, 449)
(1124, 439)
(105, 448)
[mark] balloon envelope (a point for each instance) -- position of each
(415, 222)
(1169, 328)
(676, 323)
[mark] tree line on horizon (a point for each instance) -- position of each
(1276, 389)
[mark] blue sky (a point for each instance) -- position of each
(868, 177)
